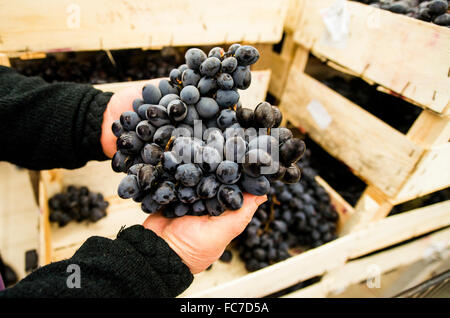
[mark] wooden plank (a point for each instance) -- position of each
(429, 129)
(4, 60)
(390, 49)
(116, 24)
(332, 255)
(293, 15)
(364, 269)
(372, 206)
(376, 152)
(432, 173)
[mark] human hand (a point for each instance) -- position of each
(120, 102)
(201, 240)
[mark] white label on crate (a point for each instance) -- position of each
(74, 16)
(337, 20)
(319, 114)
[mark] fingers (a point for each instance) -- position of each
(234, 222)
(156, 223)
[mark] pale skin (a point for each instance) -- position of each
(198, 240)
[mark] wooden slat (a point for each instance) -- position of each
(376, 152)
(331, 256)
(432, 173)
(293, 15)
(390, 49)
(363, 269)
(116, 24)
(4, 60)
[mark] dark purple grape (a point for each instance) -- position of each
(242, 77)
(165, 100)
(190, 77)
(235, 149)
(264, 116)
(227, 98)
(255, 186)
(217, 52)
(170, 162)
(129, 120)
(194, 58)
(214, 207)
(292, 174)
(210, 67)
(162, 135)
(147, 177)
(245, 117)
(157, 115)
(255, 160)
(292, 150)
(190, 95)
(207, 86)
(138, 102)
(150, 206)
(207, 107)
(230, 196)
(165, 193)
(188, 174)
(191, 116)
(210, 159)
(207, 187)
(228, 172)
(199, 208)
(227, 117)
(187, 194)
(129, 143)
(166, 88)
(246, 55)
(233, 48)
(177, 110)
(229, 65)
(128, 187)
(121, 162)
(117, 128)
(225, 81)
(145, 130)
(151, 154)
(175, 76)
(151, 94)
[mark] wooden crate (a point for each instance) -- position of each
(55, 26)
(342, 262)
(397, 167)
(404, 55)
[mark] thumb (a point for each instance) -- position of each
(234, 222)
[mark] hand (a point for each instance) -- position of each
(201, 240)
(120, 102)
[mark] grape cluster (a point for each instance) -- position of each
(77, 203)
(298, 214)
(432, 11)
(190, 147)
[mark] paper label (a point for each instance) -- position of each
(337, 20)
(319, 114)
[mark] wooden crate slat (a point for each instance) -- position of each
(366, 268)
(114, 24)
(375, 151)
(431, 174)
(330, 256)
(405, 55)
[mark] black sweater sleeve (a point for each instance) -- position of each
(136, 264)
(45, 126)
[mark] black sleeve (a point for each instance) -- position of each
(45, 126)
(137, 263)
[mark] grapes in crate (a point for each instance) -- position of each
(77, 203)
(296, 215)
(190, 147)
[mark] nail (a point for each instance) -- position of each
(261, 199)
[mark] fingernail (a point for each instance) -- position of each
(261, 199)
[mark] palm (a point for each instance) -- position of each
(201, 240)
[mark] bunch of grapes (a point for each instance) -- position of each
(298, 214)
(190, 147)
(432, 11)
(77, 203)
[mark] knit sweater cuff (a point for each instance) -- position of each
(90, 145)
